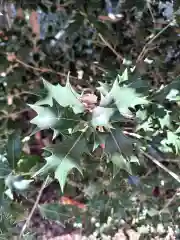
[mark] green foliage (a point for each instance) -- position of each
(118, 108)
(65, 96)
(99, 146)
(14, 149)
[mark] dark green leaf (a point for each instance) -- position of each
(63, 169)
(4, 169)
(55, 211)
(14, 149)
(119, 162)
(118, 142)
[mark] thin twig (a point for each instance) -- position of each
(43, 69)
(142, 53)
(169, 202)
(119, 56)
(12, 115)
(150, 10)
(34, 207)
(17, 60)
(174, 175)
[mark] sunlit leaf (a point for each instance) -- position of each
(125, 98)
(101, 116)
(65, 96)
(45, 118)
(172, 140)
(165, 121)
(124, 76)
(22, 184)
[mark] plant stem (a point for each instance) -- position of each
(34, 207)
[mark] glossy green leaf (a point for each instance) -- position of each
(124, 77)
(27, 162)
(65, 96)
(55, 211)
(172, 140)
(165, 121)
(63, 170)
(69, 149)
(4, 169)
(126, 98)
(14, 149)
(46, 117)
(120, 163)
(118, 142)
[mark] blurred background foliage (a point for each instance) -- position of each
(95, 41)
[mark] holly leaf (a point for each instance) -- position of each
(4, 169)
(141, 115)
(45, 118)
(126, 98)
(63, 169)
(119, 163)
(172, 140)
(55, 211)
(173, 95)
(118, 142)
(165, 121)
(67, 121)
(66, 96)
(103, 89)
(101, 116)
(52, 162)
(147, 125)
(75, 147)
(14, 149)
(57, 118)
(65, 156)
(99, 140)
(124, 76)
